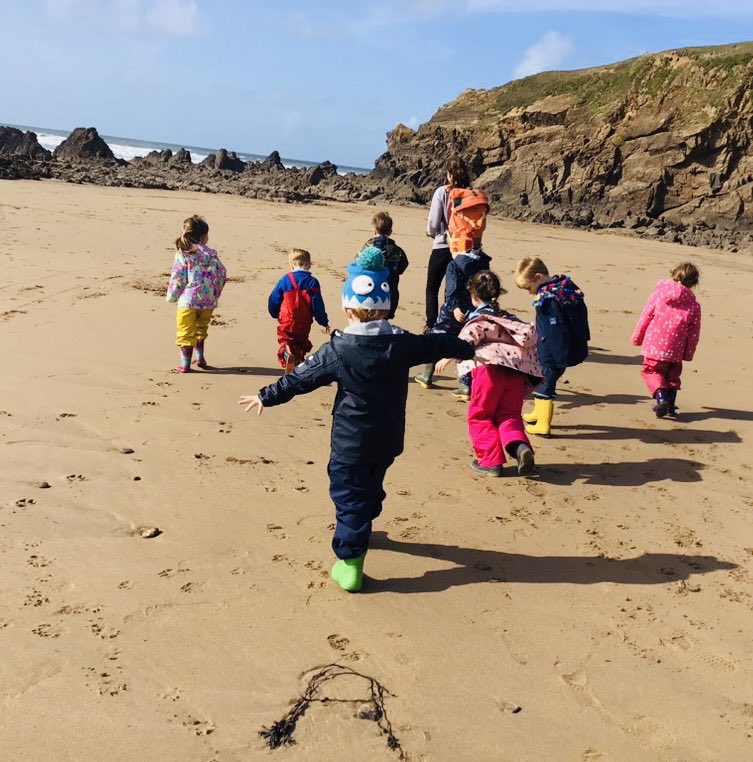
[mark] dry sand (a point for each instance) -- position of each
(609, 598)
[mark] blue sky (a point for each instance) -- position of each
(315, 80)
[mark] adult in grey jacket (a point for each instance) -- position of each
(436, 228)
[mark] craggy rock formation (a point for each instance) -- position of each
(659, 144)
(83, 144)
(24, 145)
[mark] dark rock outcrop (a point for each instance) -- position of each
(83, 144)
(24, 145)
(223, 159)
(273, 162)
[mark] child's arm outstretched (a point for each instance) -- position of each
(178, 279)
(318, 370)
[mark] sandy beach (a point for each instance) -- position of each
(599, 611)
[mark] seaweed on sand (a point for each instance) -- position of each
(280, 733)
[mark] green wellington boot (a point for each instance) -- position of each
(348, 573)
(425, 379)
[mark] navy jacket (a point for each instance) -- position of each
(459, 272)
(561, 323)
(371, 372)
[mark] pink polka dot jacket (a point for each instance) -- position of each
(670, 325)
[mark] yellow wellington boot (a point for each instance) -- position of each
(533, 416)
(545, 410)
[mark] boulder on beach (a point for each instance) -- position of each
(182, 156)
(223, 159)
(273, 161)
(84, 144)
(14, 142)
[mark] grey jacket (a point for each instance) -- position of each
(436, 226)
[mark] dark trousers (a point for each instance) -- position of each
(548, 388)
(357, 492)
(438, 262)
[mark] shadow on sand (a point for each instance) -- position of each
(624, 474)
(241, 370)
(647, 435)
(473, 566)
(596, 354)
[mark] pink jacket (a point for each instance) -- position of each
(501, 339)
(670, 325)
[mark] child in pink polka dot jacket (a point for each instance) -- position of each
(669, 328)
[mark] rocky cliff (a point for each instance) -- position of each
(660, 144)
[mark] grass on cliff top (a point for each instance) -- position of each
(652, 74)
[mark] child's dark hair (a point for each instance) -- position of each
(486, 287)
(195, 229)
(382, 223)
(457, 170)
(686, 273)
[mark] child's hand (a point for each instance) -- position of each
(442, 364)
(253, 403)
(459, 315)
(326, 329)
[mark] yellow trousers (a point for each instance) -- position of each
(192, 326)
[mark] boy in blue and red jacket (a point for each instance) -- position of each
(296, 301)
(370, 362)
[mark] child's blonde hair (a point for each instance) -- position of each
(527, 268)
(382, 223)
(299, 258)
(195, 230)
(365, 315)
(686, 273)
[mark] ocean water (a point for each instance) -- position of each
(130, 148)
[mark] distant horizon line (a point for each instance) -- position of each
(34, 128)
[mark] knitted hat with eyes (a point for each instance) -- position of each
(366, 286)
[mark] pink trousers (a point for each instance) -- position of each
(494, 412)
(660, 374)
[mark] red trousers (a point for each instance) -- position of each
(660, 374)
(299, 343)
(494, 412)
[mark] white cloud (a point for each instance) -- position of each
(172, 17)
(546, 54)
(672, 8)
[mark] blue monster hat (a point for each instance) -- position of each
(366, 286)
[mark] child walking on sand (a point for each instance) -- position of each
(562, 334)
(296, 301)
(395, 258)
(457, 304)
(669, 328)
(369, 361)
(196, 282)
(502, 372)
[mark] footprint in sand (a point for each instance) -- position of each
(199, 727)
(683, 643)
(46, 631)
(75, 478)
(98, 628)
(338, 642)
(191, 587)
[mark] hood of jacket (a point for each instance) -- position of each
(560, 288)
(473, 262)
(368, 347)
(674, 294)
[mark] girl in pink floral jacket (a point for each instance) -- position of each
(669, 328)
(504, 369)
(196, 282)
